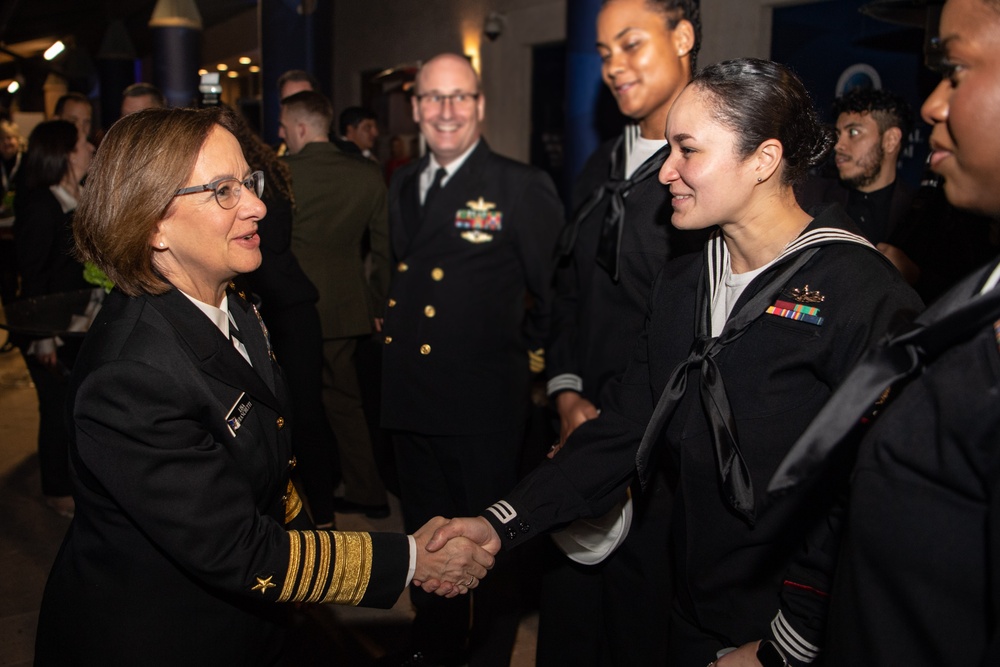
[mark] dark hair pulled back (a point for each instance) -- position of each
(762, 100)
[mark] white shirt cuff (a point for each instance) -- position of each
(413, 560)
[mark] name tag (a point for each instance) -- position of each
(237, 413)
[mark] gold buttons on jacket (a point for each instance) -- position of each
(425, 349)
(429, 311)
(280, 422)
(437, 273)
(392, 303)
(402, 267)
(388, 339)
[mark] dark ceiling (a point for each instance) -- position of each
(86, 21)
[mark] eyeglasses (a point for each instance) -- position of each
(227, 191)
(457, 99)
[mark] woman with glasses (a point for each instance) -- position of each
(187, 528)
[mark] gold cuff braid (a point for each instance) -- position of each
(310, 576)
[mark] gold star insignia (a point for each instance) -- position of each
(480, 205)
(263, 584)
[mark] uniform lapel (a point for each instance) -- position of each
(409, 208)
(257, 346)
(214, 354)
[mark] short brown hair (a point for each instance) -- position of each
(143, 160)
(312, 104)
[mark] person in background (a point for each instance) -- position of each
(11, 158)
(872, 127)
(615, 245)
(359, 126)
(295, 81)
(338, 200)
(188, 530)
(139, 96)
(472, 235)
(288, 305)
(742, 347)
(77, 109)
(57, 160)
(399, 154)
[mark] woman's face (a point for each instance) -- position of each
(964, 109)
(205, 245)
(80, 158)
(641, 57)
(709, 184)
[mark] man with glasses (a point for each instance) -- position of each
(337, 199)
(472, 236)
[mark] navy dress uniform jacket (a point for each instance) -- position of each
(918, 575)
(730, 577)
(594, 317)
(181, 455)
(457, 329)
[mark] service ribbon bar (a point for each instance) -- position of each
(795, 311)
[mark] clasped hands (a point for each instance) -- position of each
(453, 555)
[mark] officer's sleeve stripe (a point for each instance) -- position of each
(352, 568)
(323, 573)
(291, 575)
(308, 563)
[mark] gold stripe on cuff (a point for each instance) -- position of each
(322, 574)
(294, 554)
(352, 568)
(308, 563)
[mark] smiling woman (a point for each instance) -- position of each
(187, 527)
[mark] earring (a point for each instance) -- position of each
(758, 180)
(161, 242)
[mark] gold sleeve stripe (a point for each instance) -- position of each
(293, 505)
(311, 555)
(294, 547)
(323, 573)
(352, 568)
(308, 563)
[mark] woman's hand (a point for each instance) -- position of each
(455, 566)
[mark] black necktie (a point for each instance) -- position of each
(609, 243)
(958, 315)
(732, 467)
(432, 191)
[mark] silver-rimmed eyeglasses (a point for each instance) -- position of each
(438, 99)
(227, 191)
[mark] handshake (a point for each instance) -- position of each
(453, 555)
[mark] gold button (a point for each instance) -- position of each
(437, 273)
(392, 303)
(281, 423)
(425, 349)
(388, 339)
(429, 311)
(402, 267)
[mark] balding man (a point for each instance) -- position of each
(338, 199)
(473, 235)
